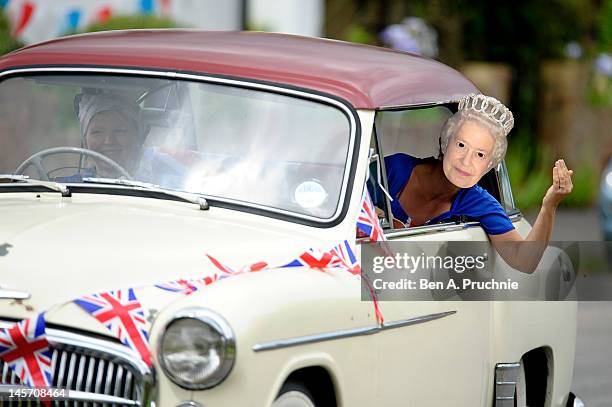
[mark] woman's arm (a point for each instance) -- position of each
(524, 255)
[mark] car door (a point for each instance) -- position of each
(433, 352)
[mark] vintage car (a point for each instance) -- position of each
(129, 245)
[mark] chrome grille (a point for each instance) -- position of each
(98, 372)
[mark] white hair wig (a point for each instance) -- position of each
(489, 113)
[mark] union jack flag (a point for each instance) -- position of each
(340, 256)
(345, 252)
(315, 258)
(25, 349)
(121, 313)
(187, 286)
(227, 271)
(367, 222)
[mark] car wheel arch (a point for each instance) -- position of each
(539, 375)
(319, 381)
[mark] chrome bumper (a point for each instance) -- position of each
(505, 383)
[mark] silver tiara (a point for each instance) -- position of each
(490, 107)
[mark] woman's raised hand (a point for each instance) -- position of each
(561, 185)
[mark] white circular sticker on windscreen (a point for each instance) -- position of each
(310, 194)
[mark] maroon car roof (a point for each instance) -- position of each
(367, 77)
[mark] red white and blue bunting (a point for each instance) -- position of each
(367, 222)
(25, 349)
(122, 314)
(187, 287)
(38, 20)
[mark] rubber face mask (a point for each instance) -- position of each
(468, 155)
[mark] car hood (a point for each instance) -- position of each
(58, 249)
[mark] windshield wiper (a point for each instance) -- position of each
(185, 196)
(55, 186)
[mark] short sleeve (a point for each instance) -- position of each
(399, 168)
(479, 204)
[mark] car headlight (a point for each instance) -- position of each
(197, 349)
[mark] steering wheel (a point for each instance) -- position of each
(36, 161)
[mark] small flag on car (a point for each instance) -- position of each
(186, 286)
(24, 347)
(121, 313)
(367, 222)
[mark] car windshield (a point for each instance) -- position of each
(231, 143)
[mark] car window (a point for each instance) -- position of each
(242, 145)
(416, 132)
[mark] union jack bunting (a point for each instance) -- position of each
(345, 252)
(377, 311)
(227, 271)
(340, 256)
(315, 258)
(367, 222)
(187, 286)
(121, 313)
(25, 349)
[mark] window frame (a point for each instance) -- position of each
(390, 231)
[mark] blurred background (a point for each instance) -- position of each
(550, 61)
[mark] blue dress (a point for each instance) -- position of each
(473, 203)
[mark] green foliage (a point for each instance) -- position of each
(586, 183)
(600, 90)
(251, 26)
(7, 42)
(505, 31)
(358, 34)
(547, 26)
(605, 26)
(529, 186)
(132, 22)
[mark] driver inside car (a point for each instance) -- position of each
(112, 126)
